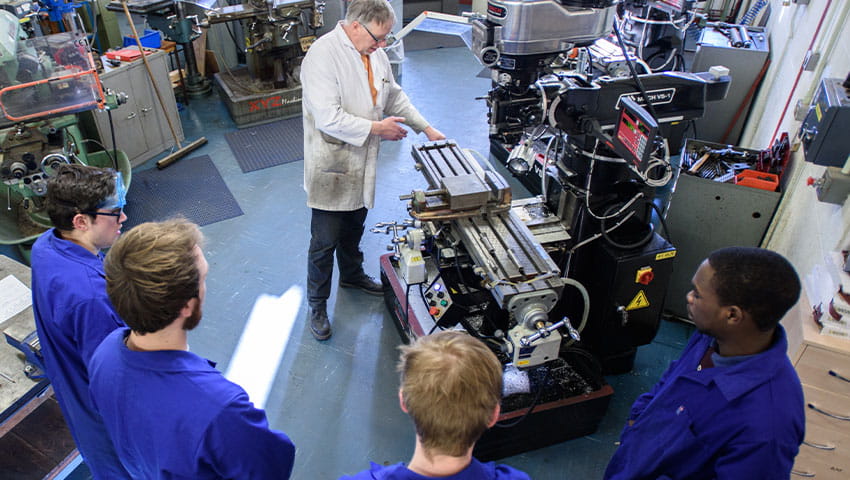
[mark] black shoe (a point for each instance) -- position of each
(365, 283)
(320, 326)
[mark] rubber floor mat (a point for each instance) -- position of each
(267, 145)
(191, 187)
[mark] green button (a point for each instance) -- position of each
(443, 303)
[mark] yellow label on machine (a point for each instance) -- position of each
(663, 255)
(640, 301)
(306, 42)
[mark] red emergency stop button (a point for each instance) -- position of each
(644, 275)
(433, 311)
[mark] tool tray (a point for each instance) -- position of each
(747, 167)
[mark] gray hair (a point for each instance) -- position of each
(378, 12)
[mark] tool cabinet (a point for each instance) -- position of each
(823, 364)
(141, 128)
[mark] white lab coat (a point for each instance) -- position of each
(340, 156)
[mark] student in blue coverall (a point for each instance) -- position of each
(72, 311)
(731, 407)
(451, 386)
(171, 414)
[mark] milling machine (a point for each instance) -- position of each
(277, 34)
(470, 258)
(559, 125)
(564, 286)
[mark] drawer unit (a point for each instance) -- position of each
(823, 364)
(825, 370)
(141, 127)
(825, 454)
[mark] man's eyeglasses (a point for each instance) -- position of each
(376, 39)
(116, 212)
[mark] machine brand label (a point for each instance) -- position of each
(271, 102)
(663, 255)
(656, 97)
(507, 63)
(496, 11)
(640, 301)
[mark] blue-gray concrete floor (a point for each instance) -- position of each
(337, 399)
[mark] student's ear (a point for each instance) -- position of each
(495, 418)
(80, 222)
(187, 309)
(734, 315)
(401, 401)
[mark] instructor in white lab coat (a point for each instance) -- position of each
(351, 102)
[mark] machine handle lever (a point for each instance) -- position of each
(542, 333)
(573, 332)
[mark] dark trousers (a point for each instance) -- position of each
(331, 232)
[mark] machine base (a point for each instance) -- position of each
(550, 421)
(251, 102)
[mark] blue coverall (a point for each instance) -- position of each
(73, 315)
(744, 420)
(174, 416)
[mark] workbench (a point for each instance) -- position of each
(34, 440)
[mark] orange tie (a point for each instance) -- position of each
(372, 89)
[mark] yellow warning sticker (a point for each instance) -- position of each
(667, 254)
(640, 301)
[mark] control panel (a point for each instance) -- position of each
(438, 299)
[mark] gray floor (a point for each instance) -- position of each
(337, 399)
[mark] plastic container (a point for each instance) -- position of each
(755, 179)
(150, 39)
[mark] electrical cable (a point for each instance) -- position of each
(531, 408)
(662, 221)
(544, 169)
(105, 150)
(605, 216)
(670, 58)
(594, 366)
(585, 298)
(625, 246)
(643, 64)
(655, 163)
(73, 144)
(599, 235)
(635, 76)
(406, 326)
